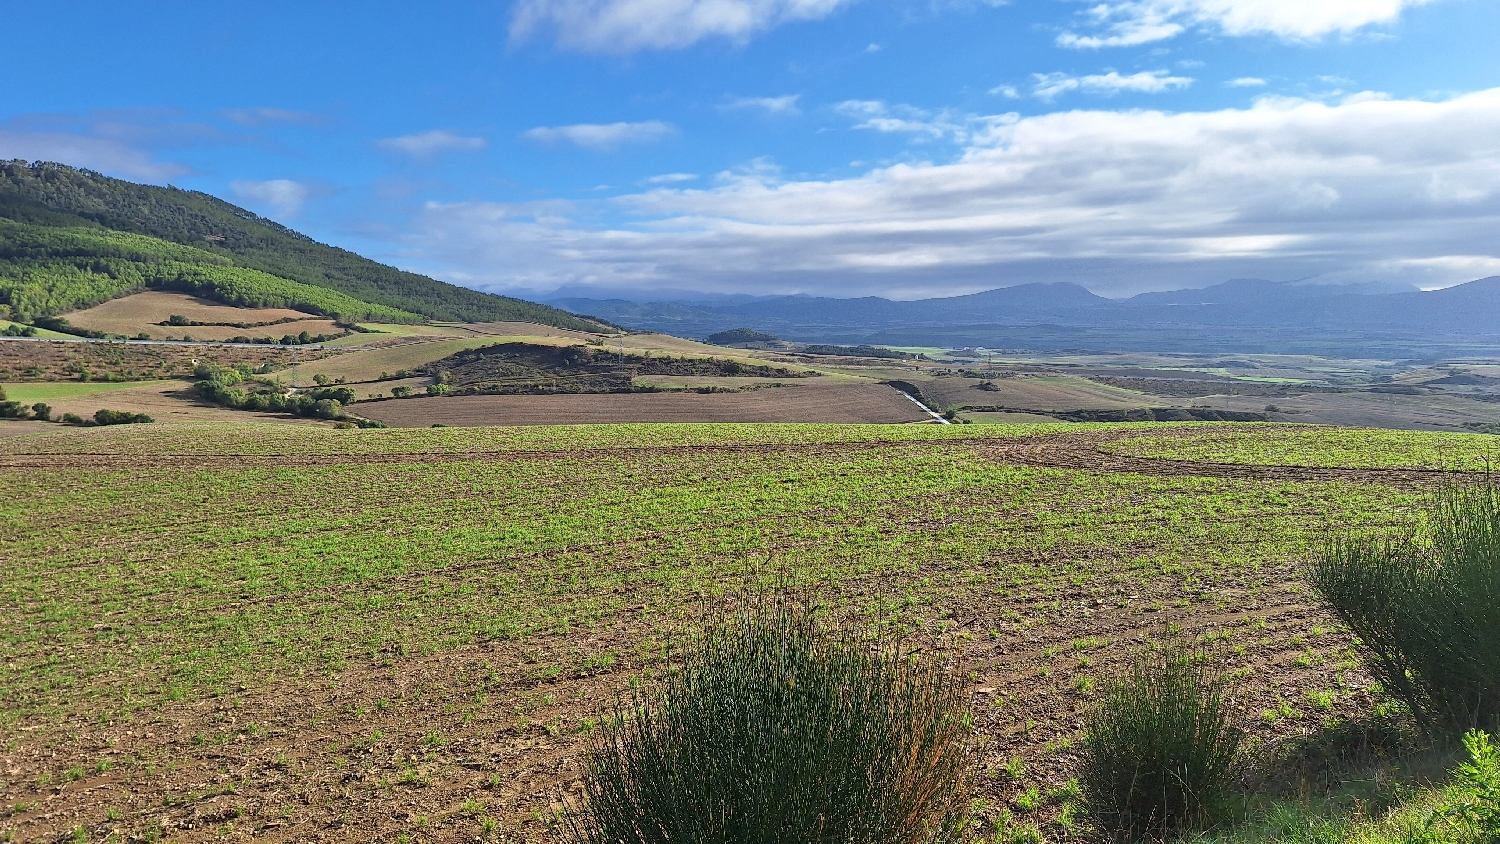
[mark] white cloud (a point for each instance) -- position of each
(669, 178)
(425, 144)
(1361, 189)
(283, 197)
(921, 123)
(1123, 23)
(1050, 85)
(602, 136)
(1008, 91)
(1246, 82)
(625, 26)
(107, 155)
(785, 104)
(265, 116)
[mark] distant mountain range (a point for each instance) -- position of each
(1251, 315)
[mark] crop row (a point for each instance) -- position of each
(1357, 448)
(129, 587)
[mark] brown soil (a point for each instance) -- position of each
(834, 403)
(173, 401)
(427, 745)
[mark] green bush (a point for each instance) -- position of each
(42, 411)
(119, 417)
(782, 729)
(1426, 608)
(1159, 748)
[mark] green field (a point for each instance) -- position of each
(40, 332)
(440, 599)
(1326, 447)
(51, 390)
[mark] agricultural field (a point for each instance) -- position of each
(29, 361)
(871, 403)
(148, 313)
(253, 631)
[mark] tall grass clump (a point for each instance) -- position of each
(1159, 748)
(1426, 608)
(781, 728)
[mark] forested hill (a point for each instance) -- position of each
(44, 195)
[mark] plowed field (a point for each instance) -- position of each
(831, 404)
(255, 632)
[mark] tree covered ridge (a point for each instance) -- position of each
(44, 194)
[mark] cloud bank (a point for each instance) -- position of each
(1118, 200)
(626, 26)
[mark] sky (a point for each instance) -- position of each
(902, 148)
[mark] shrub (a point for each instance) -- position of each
(438, 389)
(328, 409)
(1426, 608)
(779, 728)
(401, 391)
(42, 411)
(13, 409)
(119, 417)
(73, 419)
(1159, 748)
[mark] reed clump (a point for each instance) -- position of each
(1159, 748)
(780, 727)
(1425, 605)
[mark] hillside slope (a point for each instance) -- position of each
(43, 195)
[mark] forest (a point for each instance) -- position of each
(60, 219)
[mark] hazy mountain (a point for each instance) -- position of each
(1248, 314)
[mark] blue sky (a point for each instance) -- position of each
(839, 147)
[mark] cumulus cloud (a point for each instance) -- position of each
(626, 26)
(602, 136)
(424, 144)
(1117, 200)
(786, 104)
(282, 197)
(1050, 85)
(1124, 23)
